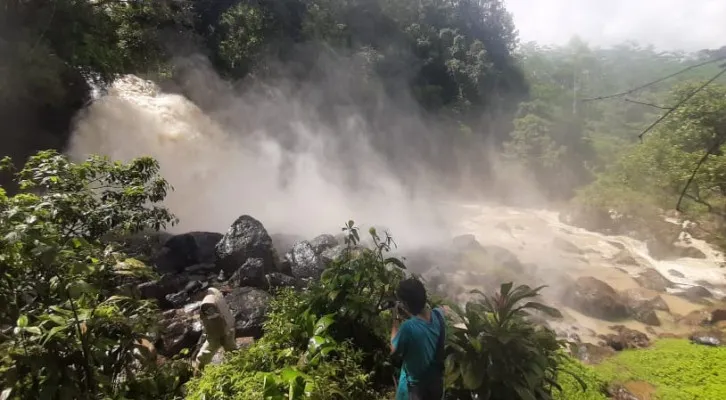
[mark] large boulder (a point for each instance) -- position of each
(180, 329)
(277, 280)
(653, 280)
(596, 298)
(303, 262)
(249, 308)
(185, 250)
(642, 305)
(323, 242)
(245, 239)
(333, 253)
(625, 338)
(696, 294)
(283, 242)
(497, 256)
(161, 288)
(251, 273)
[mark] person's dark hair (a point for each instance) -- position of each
(413, 295)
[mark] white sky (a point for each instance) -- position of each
(666, 24)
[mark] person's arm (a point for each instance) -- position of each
(394, 333)
(398, 336)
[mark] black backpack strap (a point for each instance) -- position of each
(440, 344)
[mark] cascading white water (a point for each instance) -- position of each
(530, 233)
(219, 174)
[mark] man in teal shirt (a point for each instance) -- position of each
(420, 342)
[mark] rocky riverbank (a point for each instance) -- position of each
(613, 294)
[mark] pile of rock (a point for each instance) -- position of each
(243, 263)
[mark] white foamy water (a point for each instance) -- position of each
(220, 173)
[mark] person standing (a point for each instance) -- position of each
(420, 340)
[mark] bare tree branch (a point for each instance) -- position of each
(717, 142)
(655, 82)
(680, 103)
(647, 104)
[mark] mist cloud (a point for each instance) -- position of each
(689, 25)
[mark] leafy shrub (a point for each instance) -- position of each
(498, 354)
(572, 388)
(331, 340)
(678, 369)
(72, 329)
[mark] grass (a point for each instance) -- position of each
(676, 368)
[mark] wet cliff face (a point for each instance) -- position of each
(30, 124)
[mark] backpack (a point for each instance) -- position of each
(433, 388)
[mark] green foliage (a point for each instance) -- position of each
(44, 40)
(572, 388)
(332, 340)
(75, 325)
(678, 369)
(329, 341)
(498, 354)
(655, 173)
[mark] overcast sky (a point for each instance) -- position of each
(667, 24)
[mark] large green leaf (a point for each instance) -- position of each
(472, 374)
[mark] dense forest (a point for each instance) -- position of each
(595, 130)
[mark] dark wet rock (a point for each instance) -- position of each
(283, 242)
(332, 254)
(468, 242)
(185, 250)
(621, 393)
(566, 246)
(303, 262)
(695, 318)
(717, 315)
(596, 298)
(691, 252)
(195, 286)
(624, 257)
(675, 273)
(696, 294)
(249, 307)
(245, 239)
(653, 280)
(706, 339)
(278, 280)
(164, 286)
(144, 246)
(251, 273)
(323, 242)
(496, 256)
(179, 330)
(179, 299)
(642, 305)
(625, 338)
(590, 353)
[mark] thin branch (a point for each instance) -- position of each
(711, 210)
(718, 141)
(647, 104)
(627, 92)
(680, 103)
